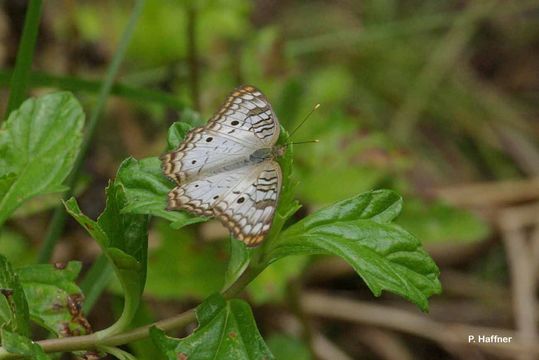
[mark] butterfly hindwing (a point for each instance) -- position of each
(248, 210)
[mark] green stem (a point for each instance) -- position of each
(95, 281)
(192, 56)
(25, 54)
(73, 83)
(93, 341)
(58, 220)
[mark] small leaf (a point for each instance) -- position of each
(54, 299)
(123, 238)
(226, 330)
(383, 254)
(38, 144)
(176, 134)
(14, 313)
(146, 190)
(21, 345)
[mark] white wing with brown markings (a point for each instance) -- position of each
(217, 174)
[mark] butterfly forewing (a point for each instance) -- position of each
(217, 174)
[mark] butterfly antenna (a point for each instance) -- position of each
(304, 142)
(303, 121)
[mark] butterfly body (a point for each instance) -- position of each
(228, 168)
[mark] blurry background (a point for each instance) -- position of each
(435, 99)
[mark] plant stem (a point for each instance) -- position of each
(92, 341)
(58, 220)
(25, 54)
(95, 281)
(192, 56)
(73, 83)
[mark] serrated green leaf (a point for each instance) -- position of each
(146, 190)
(14, 313)
(54, 299)
(383, 254)
(123, 238)
(226, 330)
(38, 144)
(21, 345)
(381, 206)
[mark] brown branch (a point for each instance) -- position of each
(446, 334)
(512, 222)
(490, 194)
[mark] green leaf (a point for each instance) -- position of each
(146, 190)
(176, 134)
(123, 238)
(14, 314)
(54, 299)
(21, 345)
(439, 222)
(38, 144)
(358, 230)
(226, 330)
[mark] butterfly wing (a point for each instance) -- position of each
(245, 123)
(248, 210)
(244, 200)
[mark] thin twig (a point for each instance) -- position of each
(192, 55)
(490, 194)
(327, 350)
(522, 276)
(25, 55)
(446, 334)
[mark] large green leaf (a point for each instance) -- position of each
(55, 301)
(146, 190)
(359, 230)
(38, 144)
(226, 330)
(123, 237)
(21, 345)
(14, 314)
